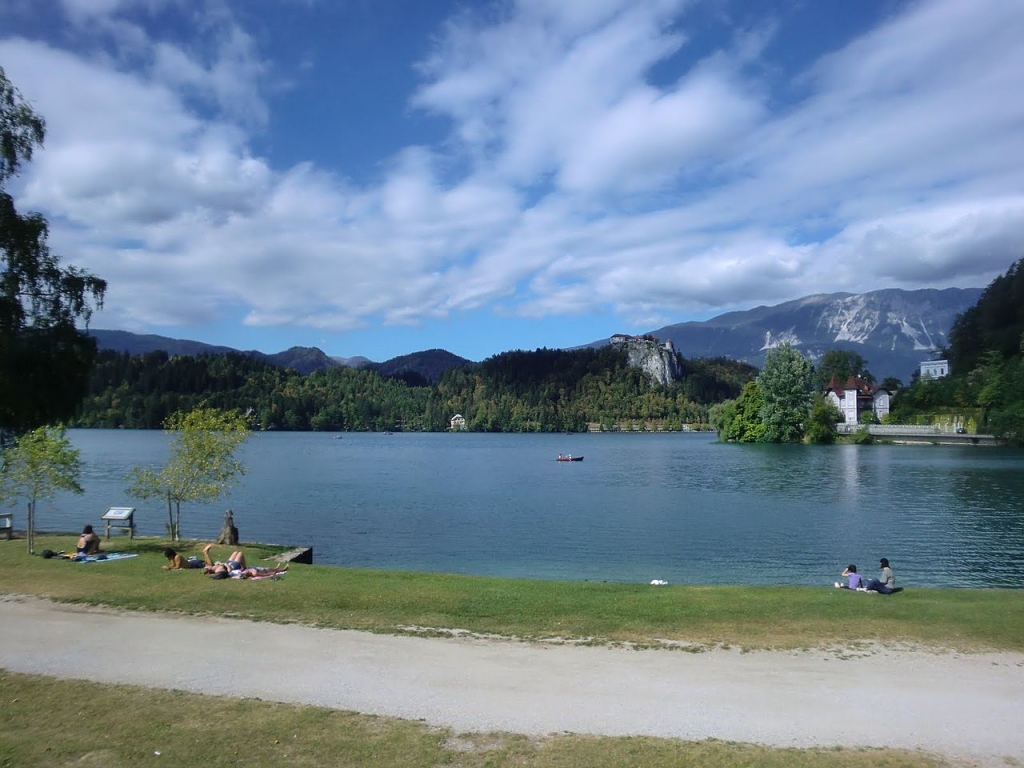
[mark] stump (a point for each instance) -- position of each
(228, 531)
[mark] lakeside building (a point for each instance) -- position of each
(857, 397)
(458, 422)
(934, 369)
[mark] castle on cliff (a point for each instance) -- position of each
(659, 361)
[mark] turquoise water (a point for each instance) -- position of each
(679, 507)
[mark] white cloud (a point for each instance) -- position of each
(572, 182)
(649, 138)
(936, 244)
(81, 10)
(524, 91)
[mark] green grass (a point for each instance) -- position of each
(50, 723)
(392, 601)
(53, 723)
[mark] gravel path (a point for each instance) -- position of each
(963, 706)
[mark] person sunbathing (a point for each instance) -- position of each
(179, 563)
(234, 563)
(259, 572)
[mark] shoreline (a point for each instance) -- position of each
(305, 553)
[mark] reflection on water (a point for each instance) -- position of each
(678, 507)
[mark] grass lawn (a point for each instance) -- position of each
(393, 601)
(50, 722)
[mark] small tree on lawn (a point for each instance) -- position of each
(202, 465)
(40, 463)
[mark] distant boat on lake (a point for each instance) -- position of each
(569, 457)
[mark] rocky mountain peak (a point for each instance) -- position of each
(894, 330)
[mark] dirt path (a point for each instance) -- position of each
(953, 704)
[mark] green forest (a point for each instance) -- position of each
(541, 391)
(549, 390)
(986, 358)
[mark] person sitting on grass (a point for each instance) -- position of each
(88, 542)
(885, 585)
(179, 563)
(853, 578)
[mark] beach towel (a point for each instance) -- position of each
(102, 557)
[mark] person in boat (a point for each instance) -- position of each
(853, 579)
(88, 542)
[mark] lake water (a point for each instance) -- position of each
(679, 507)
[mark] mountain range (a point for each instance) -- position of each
(416, 367)
(893, 330)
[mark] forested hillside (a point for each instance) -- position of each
(541, 391)
(986, 355)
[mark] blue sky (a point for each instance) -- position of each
(378, 177)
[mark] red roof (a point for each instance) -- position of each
(861, 386)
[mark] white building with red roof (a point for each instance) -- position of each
(857, 397)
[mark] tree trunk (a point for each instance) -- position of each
(177, 521)
(170, 519)
(30, 527)
(228, 531)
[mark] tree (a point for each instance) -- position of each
(1006, 417)
(202, 465)
(821, 425)
(785, 382)
(892, 384)
(995, 323)
(741, 418)
(40, 463)
(841, 363)
(45, 360)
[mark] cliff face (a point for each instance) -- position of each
(658, 361)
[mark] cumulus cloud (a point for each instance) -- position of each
(937, 244)
(572, 181)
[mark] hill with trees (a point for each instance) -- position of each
(541, 391)
(985, 388)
